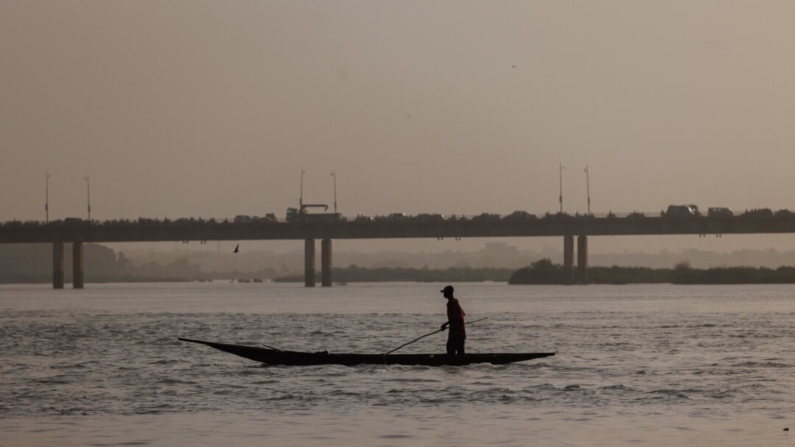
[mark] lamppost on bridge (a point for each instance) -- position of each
(301, 198)
(588, 188)
(47, 198)
(560, 197)
(334, 174)
(88, 196)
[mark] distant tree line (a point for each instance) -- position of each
(545, 272)
(32, 263)
(355, 273)
(684, 274)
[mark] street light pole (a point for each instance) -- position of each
(47, 198)
(560, 198)
(588, 189)
(334, 174)
(301, 199)
(88, 196)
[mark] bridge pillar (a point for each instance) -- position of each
(568, 259)
(309, 262)
(582, 259)
(325, 262)
(77, 265)
(57, 265)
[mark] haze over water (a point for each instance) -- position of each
(201, 109)
(647, 365)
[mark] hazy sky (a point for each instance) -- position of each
(210, 108)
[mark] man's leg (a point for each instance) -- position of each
(455, 346)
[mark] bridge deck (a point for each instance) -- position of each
(549, 226)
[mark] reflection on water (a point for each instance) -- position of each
(657, 365)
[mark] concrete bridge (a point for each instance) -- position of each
(147, 230)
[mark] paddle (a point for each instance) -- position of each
(420, 338)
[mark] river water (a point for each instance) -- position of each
(647, 365)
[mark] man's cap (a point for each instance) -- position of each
(447, 289)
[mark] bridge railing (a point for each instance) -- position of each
(364, 219)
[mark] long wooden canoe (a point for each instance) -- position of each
(297, 358)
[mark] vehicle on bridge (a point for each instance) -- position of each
(296, 215)
(520, 216)
(426, 217)
(635, 215)
(486, 217)
(719, 212)
(682, 211)
(758, 212)
(363, 218)
(70, 222)
(269, 217)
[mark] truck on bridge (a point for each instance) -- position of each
(295, 215)
(682, 211)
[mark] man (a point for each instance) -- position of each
(455, 319)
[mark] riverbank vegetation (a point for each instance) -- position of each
(545, 272)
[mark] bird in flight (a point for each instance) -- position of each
(237, 248)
